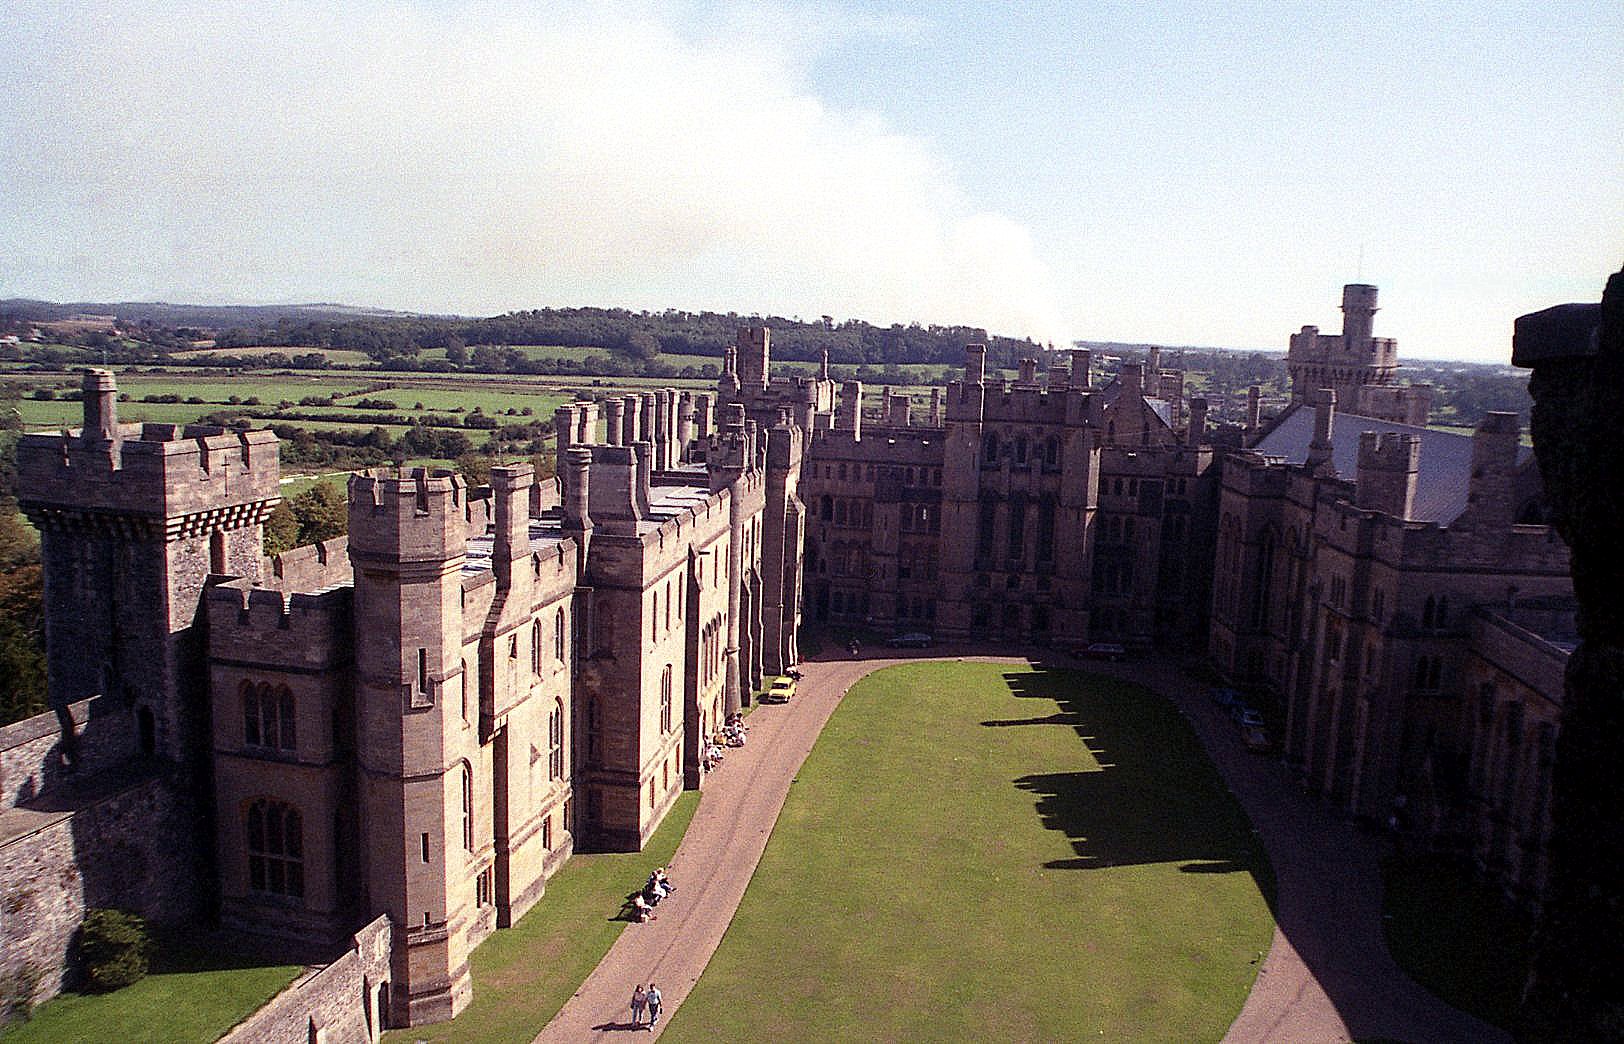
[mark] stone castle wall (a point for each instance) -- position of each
(341, 1003)
(124, 847)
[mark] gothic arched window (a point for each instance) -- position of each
(268, 721)
(555, 741)
(275, 849)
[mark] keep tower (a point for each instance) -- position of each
(419, 837)
(133, 520)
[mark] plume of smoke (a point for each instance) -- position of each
(436, 158)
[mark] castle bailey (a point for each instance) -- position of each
(387, 743)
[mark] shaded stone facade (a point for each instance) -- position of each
(1048, 510)
(1379, 612)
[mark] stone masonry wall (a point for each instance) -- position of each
(35, 760)
(116, 850)
(338, 1004)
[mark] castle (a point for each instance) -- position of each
(1360, 368)
(399, 736)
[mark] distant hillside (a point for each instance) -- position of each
(163, 313)
(397, 336)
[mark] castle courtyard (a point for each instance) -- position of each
(1143, 907)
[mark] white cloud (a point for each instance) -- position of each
(444, 159)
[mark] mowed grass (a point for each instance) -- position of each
(986, 852)
(524, 974)
(195, 993)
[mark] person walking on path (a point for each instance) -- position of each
(639, 1002)
(653, 1005)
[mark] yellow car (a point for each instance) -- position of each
(782, 690)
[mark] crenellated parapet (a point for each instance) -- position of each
(269, 628)
(408, 515)
(156, 481)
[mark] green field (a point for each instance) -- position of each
(986, 852)
(197, 991)
(524, 974)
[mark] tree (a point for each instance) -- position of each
(281, 530)
(22, 643)
(322, 513)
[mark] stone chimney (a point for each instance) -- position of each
(631, 429)
(1197, 433)
(1081, 360)
(849, 414)
(1153, 373)
(702, 416)
(1491, 493)
(510, 489)
(100, 392)
(898, 411)
(1319, 450)
(1132, 379)
(1029, 373)
(1254, 409)
(975, 364)
(936, 407)
(1385, 479)
(614, 411)
(574, 472)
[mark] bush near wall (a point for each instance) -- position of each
(113, 950)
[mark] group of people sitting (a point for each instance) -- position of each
(657, 887)
(731, 734)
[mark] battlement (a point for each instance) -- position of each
(309, 568)
(1386, 472)
(408, 515)
(162, 473)
(1388, 450)
(269, 627)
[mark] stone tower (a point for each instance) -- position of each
(133, 519)
(408, 541)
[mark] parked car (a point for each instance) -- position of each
(1256, 739)
(782, 690)
(1251, 719)
(912, 640)
(1105, 651)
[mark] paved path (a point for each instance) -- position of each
(1327, 978)
(713, 865)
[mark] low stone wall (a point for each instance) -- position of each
(341, 1003)
(42, 754)
(309, 568)
(127, 845)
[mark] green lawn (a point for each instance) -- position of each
(979, 851)
(1456, 936)
(196, 992)
(524, 974)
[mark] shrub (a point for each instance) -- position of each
(44, 394)
(113, 949)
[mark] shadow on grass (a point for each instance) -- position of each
(1155, 798)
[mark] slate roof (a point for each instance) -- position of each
(1442, 479)
(1160, 407)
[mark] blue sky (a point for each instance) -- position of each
(1179, 173)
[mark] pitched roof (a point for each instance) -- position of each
(1443, 477)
